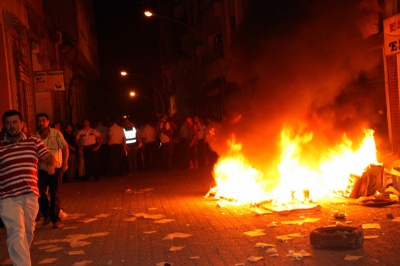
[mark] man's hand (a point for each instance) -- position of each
(50, 162)
(64, 167)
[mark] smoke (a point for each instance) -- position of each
(302, 64)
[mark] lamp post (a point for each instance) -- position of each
(148, 13)
(153, 86)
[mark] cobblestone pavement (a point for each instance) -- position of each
(216, 233)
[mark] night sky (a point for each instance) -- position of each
(127, 40)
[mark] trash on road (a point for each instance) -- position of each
(351, 257)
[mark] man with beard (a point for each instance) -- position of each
(55, 142)
(19, 156)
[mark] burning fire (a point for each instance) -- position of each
(300, 177)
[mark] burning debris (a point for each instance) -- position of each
(343, 173)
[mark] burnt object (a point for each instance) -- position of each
(339, 237)
(369, 183)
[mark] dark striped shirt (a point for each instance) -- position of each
(18, 166)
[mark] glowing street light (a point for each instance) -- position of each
(133, 94)
(155, 89)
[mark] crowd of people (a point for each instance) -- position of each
(108, 147)
(33, 165)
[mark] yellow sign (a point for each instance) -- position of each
(52, 80)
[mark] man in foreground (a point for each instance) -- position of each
(19, 156)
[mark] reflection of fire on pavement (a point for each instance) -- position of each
(343, 172)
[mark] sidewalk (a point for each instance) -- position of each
(97, 229)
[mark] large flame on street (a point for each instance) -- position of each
(239, 182)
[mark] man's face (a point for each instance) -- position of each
(42, 122)
(12, 125)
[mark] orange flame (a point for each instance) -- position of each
(238, 181)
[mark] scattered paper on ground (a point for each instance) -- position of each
(300, 222)
(153, 216)
(87, 220)
(263, 245)
(274, 255)
(77, 244)
(54, 249)
(99, 234)
(73, 240)
(48, 261)
(149, 232)
(164, 221)
(176, 248)
(298, 255)
(350, 257)
(139, 214)
(48, 246)
(132, 219)
(397, 219)
(176, 235)
(273, 224)
(254, 258)
(371, 237)
(76, 252)
(261, 211)
(73, 216)
(194, 257)
(257, 232)
(271, 250)
(240, 264)
(371, 226)
(102, 215)
(82, 263)
(292, 222)
(289, 236)
(311, 220)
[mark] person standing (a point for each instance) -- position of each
(201, 140)
(133, 143)
(55, 142)
(19, 156)
(150, 146)
(116, 143)
(73, 148)
(89, 141)
(166, 143)
(191, 142)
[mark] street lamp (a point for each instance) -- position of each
(155, 89)
(133, 94)
(149, 13)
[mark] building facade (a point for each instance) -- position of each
(48, 52)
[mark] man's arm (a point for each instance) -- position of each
(50, 163)
(99, 141)
(65, 154)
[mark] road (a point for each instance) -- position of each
(160, 217)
